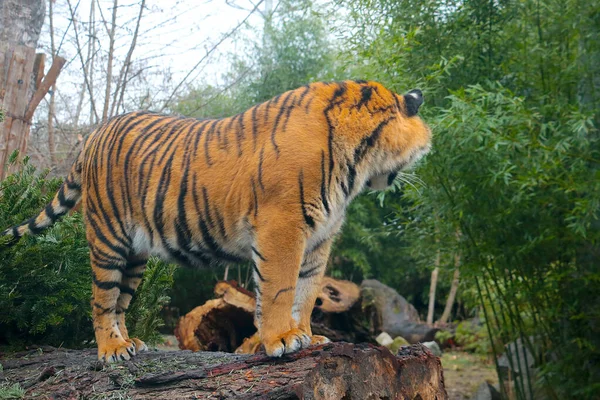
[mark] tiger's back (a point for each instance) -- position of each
(269, 185)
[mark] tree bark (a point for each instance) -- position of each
(432, 289)
(20, 26)
(51, 141)
(330, 371)
(452, 295)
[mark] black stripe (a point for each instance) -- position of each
(107, 219)
(51, 214)
(33, 227)
(304, 93)
(72, 185)
(104, 310)
(307, 218)
(351, 178)
(309, 273)
(323, 183)
(198, 135)
(369, 141)
(258, 254)
(254, 126)
(365, 96)
(63, 201)
(277, 118)
(15, 231)
(127, 290)
(337, 94)
(255, 268)
(133, 275)
(221, 224)
(135, 264)
(239, 133)
(255, 197)
(287, 289)
(260, 168)
(208, 135)
(105, 285)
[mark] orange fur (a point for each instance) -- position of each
(271, 185)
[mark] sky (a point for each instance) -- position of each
(173, 37)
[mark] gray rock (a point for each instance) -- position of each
(384, 339)
(434, 347)
(485, 391)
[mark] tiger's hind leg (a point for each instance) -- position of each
(108, 265)
(132, 277)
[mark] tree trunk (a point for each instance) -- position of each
(432, 289)
(51, 141)
(20, 25)
(452, 295)
(330, 371)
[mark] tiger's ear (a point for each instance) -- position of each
(413, 101)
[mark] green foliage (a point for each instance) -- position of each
(45, 286)
(143, 317)
(472, 337)
(45, 281)
(10, 392)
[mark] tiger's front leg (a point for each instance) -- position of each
(278, 255)
(308, 288)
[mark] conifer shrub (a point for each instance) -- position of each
(45, 280)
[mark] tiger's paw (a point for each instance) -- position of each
(289, 342)
(138, 344)
(318, 339)
(116, 350)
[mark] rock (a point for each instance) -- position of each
(397, 344)
(517, 358)
(434, 347)
(485, 391)
(384, 339)
(389, 312)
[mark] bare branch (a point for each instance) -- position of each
(85, 76)
(111, 52)
(122, 82)
(208, 53)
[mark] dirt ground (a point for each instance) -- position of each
(464, 372)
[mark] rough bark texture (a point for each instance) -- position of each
(331, 371)
(21, 22)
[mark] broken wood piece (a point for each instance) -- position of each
(336, 295)
(220, 324)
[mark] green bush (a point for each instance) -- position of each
(45, 281)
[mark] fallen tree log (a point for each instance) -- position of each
(343, 312)
(330, 371)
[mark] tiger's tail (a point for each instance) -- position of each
(65, 199)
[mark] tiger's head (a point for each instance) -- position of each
(404, 142)
(391, 137)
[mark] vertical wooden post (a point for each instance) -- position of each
(15, 78)
(16, 68)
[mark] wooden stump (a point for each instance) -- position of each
(331, 371)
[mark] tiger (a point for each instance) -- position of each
(269, 186)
